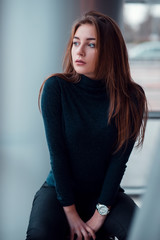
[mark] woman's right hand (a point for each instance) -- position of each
(77, 226)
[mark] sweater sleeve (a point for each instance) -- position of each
(51, 107)
(114, 174)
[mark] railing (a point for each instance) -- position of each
(154, 115)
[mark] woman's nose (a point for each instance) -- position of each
(81, 51)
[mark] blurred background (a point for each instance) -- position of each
(34, 35)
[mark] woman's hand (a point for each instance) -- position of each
(96, 221)
(77, 226)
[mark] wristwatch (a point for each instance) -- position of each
(102, 209)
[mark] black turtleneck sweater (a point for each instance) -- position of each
(80, 141)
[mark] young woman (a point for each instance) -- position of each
(93, 113)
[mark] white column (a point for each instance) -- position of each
(34, 34)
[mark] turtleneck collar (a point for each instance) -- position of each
(93, 83)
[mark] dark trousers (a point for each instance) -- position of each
(48, 220)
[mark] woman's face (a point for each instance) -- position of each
(84, 50)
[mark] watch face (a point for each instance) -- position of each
(103, 210)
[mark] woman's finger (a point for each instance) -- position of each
(79, 236)
(71, 235)
(85, 234)
(91, 232)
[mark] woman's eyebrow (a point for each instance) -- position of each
(91, 38)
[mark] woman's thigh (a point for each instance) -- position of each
(120, 217)
(47, 218)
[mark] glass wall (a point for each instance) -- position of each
(142, 35)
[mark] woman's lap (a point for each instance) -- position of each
(48, 220)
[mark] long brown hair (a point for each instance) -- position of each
(128, 104)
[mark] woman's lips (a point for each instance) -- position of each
(79, 62)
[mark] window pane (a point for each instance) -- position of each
(142, 35)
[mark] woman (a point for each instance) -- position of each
(93, 114)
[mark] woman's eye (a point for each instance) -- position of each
(92, 45)
(75, 43)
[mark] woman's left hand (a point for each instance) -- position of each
(96, 221)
